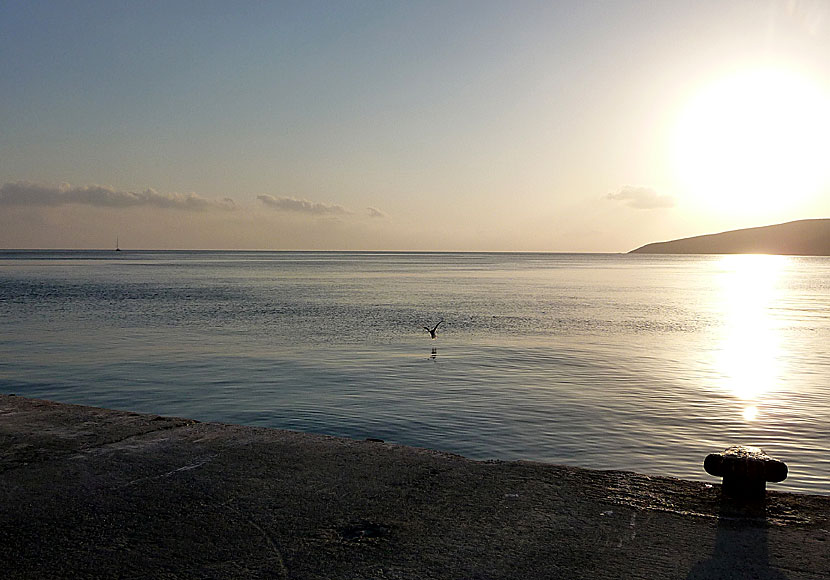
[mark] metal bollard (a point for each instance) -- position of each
(745, 471)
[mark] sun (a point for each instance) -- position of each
(754, 142)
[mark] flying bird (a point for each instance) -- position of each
(432, 330)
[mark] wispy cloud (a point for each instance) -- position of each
(24, 193)
(375, 213)
(302, 205)
(641, 198)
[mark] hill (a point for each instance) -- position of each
(798, 238)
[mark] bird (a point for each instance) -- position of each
(432, 330)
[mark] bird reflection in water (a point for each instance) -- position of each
(433, 354)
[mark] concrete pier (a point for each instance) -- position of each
(94, 493)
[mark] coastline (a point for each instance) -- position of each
(88, 492)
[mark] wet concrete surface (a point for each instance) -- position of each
(93, 493)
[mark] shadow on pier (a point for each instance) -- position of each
(741, 545)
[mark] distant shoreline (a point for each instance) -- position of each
(797, 238)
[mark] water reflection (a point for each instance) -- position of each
(750, 413)
(750, 357)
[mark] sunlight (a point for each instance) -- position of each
(749, 357)
(757, 141)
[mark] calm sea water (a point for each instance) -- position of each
(634, 362)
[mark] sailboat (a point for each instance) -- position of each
(117, 248)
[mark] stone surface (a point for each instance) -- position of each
(90, 493)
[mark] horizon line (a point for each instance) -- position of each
(122, 250)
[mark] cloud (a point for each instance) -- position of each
(302, 205)
(23, 193)
(375, 213)
(641, 198)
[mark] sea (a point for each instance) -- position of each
(632, 362)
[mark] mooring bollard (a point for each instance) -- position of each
(745, 471)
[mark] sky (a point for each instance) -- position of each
(572, 126)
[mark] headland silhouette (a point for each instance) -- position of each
(798, 238)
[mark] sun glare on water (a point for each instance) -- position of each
(754, 142)
(749, 356)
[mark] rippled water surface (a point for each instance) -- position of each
(643, 363)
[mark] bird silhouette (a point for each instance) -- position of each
(432, 330)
